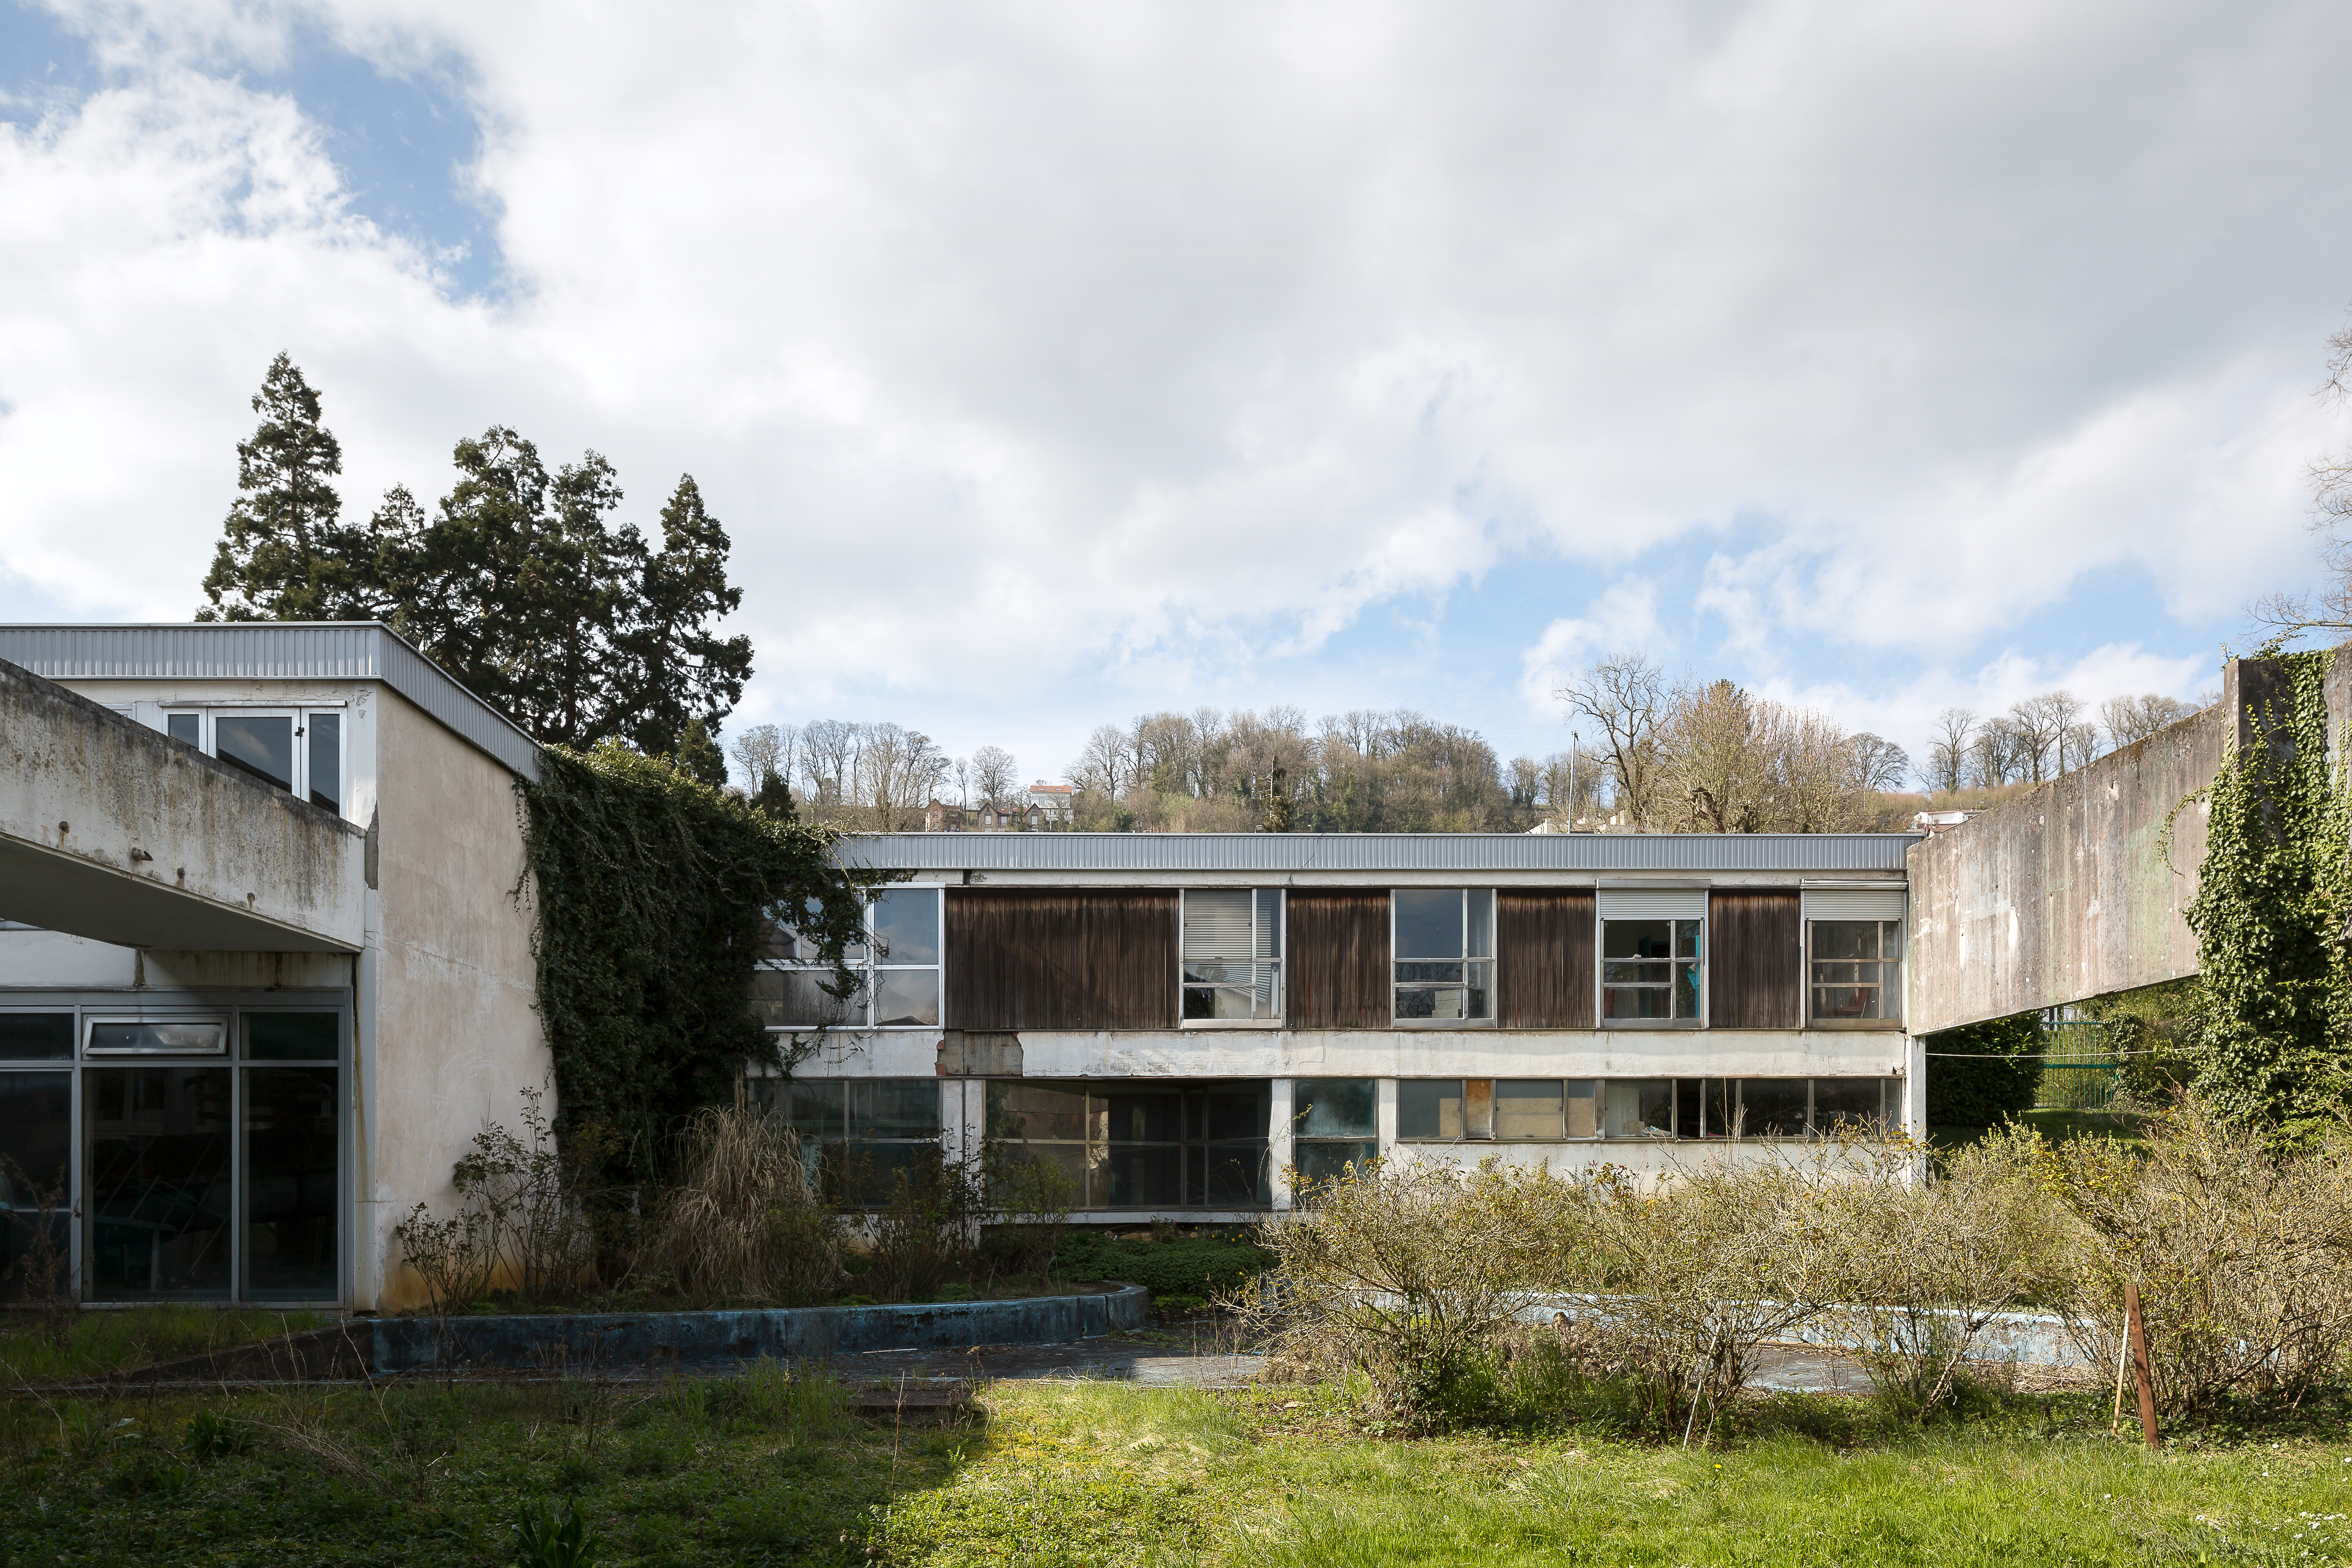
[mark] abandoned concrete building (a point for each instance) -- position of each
(265, 971)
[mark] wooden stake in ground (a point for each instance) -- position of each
(2123, 1361)
(2137, 1335)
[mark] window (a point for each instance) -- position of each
(1231, 955)
(1639, 1108)
(1651, 971)
(1334, 1124)
(300, 751)
(292, 1163)
(1522, 1111)
(1785, 1107)
(1135, 1146)
(36, 1151)
(1857, 971)
(858, 1135)
(1441, 943)
(896, 970)
(171, 1037)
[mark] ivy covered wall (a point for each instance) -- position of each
(650, 887)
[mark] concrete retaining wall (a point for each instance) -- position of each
(612, 1339)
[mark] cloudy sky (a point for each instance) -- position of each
(1056, 362)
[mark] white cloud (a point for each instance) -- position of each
(1624, 618)
(1161, 340)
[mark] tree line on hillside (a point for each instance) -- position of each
(2040, 738)
(520, 584)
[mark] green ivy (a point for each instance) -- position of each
(650, 887)
(2275, 894)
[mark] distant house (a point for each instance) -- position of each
(989, 816)
(1052, 801)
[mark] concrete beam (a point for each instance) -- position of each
(2063, 894)
(111, 831)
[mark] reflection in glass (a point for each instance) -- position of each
(1857, 969)
(156, 1189)
(1650, 969)
(907, 925)
(326, 759)
(186, 727)
(201, 1036)
(289, 1183)
(36, 1179)
(1772, 1106)
(1336, 1108)
(905, 996)
(292, 1037)
(263, 747)
(1321, 1163)
(894, 1107)
(35, 1037)
(796, 999)
(1138, 1146)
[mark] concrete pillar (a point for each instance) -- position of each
(1277, 1140)
(1385, 1113)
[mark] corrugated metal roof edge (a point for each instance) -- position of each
(1377, 851)
(413, 676)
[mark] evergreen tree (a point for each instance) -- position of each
(285, 553)
(698, 755)
(680, 671)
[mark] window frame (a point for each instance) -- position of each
(1699, 964)
(1886, 985)
(869, 965)
(209, 715)
(1279, 963)
(1302, 1097)
(1703, 1086)
(1095, 1147)
(1494, 965)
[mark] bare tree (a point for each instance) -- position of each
(1879, 763)
(1626, 695)
(2078, 745)
(897, 769)
(1997, 756)
(1947, 758)
(1714, 760)
(2131, 719)
(2042, 724)
(1102, 765)
(829, 758)
(993, 774)
(765, 752)
(2330, 608)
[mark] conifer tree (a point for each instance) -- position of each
(680, 669)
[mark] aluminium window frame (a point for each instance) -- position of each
(1280, 962)
(1699, 966)
(1889, 1110)
(1897, 986)
(209, 714)
(1492, 959)
(869, 967)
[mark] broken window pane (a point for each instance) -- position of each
(1337, 1106)
(1321, 1163)
(1429, 1108)
(1530, 1109)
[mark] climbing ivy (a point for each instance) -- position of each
(2275, 894)
(650, 885)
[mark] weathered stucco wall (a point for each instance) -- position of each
(111, 831)
(457, 1036)
(2065, 892)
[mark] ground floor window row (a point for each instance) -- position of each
(171, 1179)
(1175, 1145)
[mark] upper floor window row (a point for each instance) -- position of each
(1693, 957)
(299, 750)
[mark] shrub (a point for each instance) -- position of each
(926, 1231)
(2243, 1254)
(1031, 1199)
(743, 1222)
(1991, 1074)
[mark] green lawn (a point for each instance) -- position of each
(769, 1467)
(36, 1347)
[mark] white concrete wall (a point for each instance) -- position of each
(455, 1036)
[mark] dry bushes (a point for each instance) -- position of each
(2242, 1255)
(743, 1224)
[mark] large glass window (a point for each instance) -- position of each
(1334, 1124)
(896, 970)
(291, 1176)
(1652, 971)
(35, 1037)
(156, 1181)
(1525, 1111)
(1442, 944)
(36, 1177)
(1232, 959)
(1144, 1146)
(297, 750)
(1857, 971)
(857, 1135)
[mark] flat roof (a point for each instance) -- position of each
(270, 650)
(1585, 852)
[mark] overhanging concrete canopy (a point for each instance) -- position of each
(111, 831)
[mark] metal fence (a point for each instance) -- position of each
(2078, 1068)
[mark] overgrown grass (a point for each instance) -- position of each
(109, 1341)
(770, 1467)
(1181, 1271)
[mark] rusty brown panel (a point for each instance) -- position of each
(1339, 959)
(1022, 958)
(1543, 958)
(1755, 960)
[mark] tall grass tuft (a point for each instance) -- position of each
(744, 1223)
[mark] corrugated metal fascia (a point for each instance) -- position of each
(1303, 852)
(270, 650)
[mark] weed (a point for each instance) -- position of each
(542, 1540)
